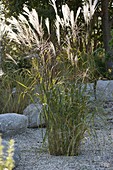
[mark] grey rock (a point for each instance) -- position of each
(12, 124)
(16, 156)
(34, 114)
(104, 90)
(90, 91)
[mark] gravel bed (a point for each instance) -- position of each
(96, 151)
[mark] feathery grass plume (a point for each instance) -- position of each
(77, 14)
(2, 21)
(86, 13)
(34, 20)
(67, 26)
(47, 25)
(21, 31)
(53, 48)
(1, 72)
(52, 3)
(66, 14)
(76, 60)
(68, 22)
(72, 19)
(57, 31)
(23, 35)
(88, 10)
(11, 58)
(60, 20)
(2, 32)
(2, 28)
(92, 7)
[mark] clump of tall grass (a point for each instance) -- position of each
(60, 69)
(16, 91)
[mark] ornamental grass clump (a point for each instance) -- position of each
(61, 70)
(65, 111)
(16, 91)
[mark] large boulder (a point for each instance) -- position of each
(34, 114)
(12, 124)
(104, 90)
(16, 156)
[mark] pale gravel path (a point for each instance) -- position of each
(94, 155)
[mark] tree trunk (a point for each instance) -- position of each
(107, 36)
(105, 24)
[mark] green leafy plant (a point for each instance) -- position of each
(6, 160)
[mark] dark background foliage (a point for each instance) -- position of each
(102, 23)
